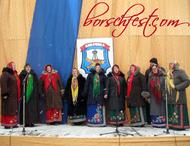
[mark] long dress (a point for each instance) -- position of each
(94, 91)
(116, 91)
(52, 90)
(177, 101)
(32, 111)
(10, 87)
(76, 102)
(149, 119)
(156, 87)
(136, 84)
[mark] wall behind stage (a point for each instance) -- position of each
(132, 47)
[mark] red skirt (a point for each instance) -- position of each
(9, 121)
(53, 115)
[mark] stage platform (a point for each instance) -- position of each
(67, 135)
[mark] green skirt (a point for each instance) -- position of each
(178, 116)
(138, 116)
(77, 118)
(122, 117)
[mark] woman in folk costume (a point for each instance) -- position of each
(116, 92)
(156, 86)
(177, 82)
(136, 93)
(94, 91)
(73, 95)
(32, 111)
(52, 89)
(10, 93)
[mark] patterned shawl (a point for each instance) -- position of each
(170, 80)
(74, 87)
(155, 88)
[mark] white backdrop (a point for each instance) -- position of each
(94, 50)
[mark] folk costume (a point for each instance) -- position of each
(94, 91)
(76, 102)
(10, 87)
(177, 82)
(136, 86)
(32, 95)
(116, 90)
(156, 86)
(52, 91)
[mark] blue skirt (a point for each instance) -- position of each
(158, 121)
(96, 115)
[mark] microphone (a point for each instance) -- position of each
(26, 77)
(163, 72)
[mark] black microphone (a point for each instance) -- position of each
(163, 72)
(26, 77)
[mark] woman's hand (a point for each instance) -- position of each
(106, 96)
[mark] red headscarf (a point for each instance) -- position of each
(10, 65)
(130, 80)
(116, 75)
(50, 78)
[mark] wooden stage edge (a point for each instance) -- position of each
(124, 141)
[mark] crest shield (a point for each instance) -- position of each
(93, 53)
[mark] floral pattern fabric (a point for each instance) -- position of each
(77, 118)
(138, 116)
(174, 118)
(158, 121)
(96, 115)
(121, 117)
(178, 116)
(53, 115)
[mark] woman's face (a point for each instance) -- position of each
(97, 68)
(14, 67)
(49, 69)
(171, 64)
(74, 72)
(132, 69)
(116, 69)
(154, 70)
(28, 68)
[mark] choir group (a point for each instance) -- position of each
(89, 99)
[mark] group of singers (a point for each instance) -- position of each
(88, 98)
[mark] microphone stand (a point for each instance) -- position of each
(167, 127)
(24, 100)
(116, 129)
(166, 95)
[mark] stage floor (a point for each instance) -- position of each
(68, 135)
(90, 132)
